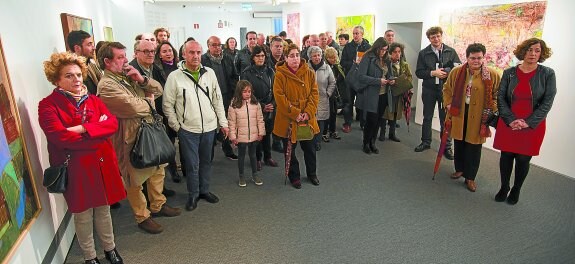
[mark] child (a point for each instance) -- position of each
(247, 127)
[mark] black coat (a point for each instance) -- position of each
(426, 60)
(243, 60)
(262, 80)
(349, 53)
(229, 72)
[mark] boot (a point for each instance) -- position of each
(382, 131)
(372, 147)
(366, 148)
(392, 136)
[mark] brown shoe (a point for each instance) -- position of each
(456, 175)
(471, 185)
(270, 162)
(167, 211)
(151, 226)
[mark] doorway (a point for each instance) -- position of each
(409, 34)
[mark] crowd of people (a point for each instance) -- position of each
(271, 95)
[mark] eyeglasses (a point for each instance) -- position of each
(215, 45)
(147, 52)
(294, 55)
(474, 58)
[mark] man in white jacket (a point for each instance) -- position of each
(194, 108)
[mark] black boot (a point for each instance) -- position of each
(374, 150)
(513, 197)
(382, 128)
(502, 194)
(392, 136)
(366, 148)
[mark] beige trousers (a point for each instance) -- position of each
(157, 199)
(85, 221)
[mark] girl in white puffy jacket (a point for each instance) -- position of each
(247, 128)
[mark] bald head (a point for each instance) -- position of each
(214, 46)
(149, 37)
(193, 54)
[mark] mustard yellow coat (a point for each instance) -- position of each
(476, 104)
(294, 94)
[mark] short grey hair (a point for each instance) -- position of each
(360, 28)
(314, 49)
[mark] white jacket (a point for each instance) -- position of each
(188, 107)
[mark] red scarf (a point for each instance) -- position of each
(459, 89)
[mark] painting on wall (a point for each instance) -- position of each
(108, 34)
(72, 22)
(293, 28)
(19, 204)
(344, 25)
(499, 27)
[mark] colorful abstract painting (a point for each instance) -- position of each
(346, 24)
(293, 28)
(19, 203)
(108, 34)
(499, 27)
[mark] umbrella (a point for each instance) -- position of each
(407, 106)
(444, 136)
(288, 150)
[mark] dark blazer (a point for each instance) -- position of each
(543, 90)
(426, 60)
(370, 74)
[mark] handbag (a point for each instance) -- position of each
(152, 147)
(303, 131)
(56, 177)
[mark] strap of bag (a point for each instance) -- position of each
(198, 86)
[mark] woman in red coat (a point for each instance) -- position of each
(525, 97)
(79, 125)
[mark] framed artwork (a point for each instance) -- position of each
(499, 27)
(344, 25)
(19, 203)
(108, 34)
(72, 22)
(293, 28)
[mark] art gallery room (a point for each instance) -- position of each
(386, 208)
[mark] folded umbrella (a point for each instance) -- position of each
(444, 136)
(407, 106)
(288, 149)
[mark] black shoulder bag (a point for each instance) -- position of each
(56, 177)
(152, 147)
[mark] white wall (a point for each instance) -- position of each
(178, 17)
(31, 30)
(317, 16)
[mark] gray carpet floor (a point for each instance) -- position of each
(368, 209)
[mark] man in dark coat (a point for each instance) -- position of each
(223, 66)
(434, 63)
(81, 43)
(244, 56)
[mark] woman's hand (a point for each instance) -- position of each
(302, 117)
(269, 108)
(383, 81)
(77, 129)
(518, 124)
(260, 138)
(391, 82)
(235, 142)
(103, 118)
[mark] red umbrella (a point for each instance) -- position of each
(288, 153)
(444, 136)
(407, 106)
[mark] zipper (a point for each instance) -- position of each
(248, 112)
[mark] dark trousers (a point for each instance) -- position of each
(506, 166)
(372, 120)
(197, 149)
(331, 126)
(431, 97)
(226, 143)
(264, 148)
(308, 148)
(358, 112)
(251, 148)
(322, 130)
(467, 156)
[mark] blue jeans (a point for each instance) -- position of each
(197, 149)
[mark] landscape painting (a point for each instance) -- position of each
(499, 27)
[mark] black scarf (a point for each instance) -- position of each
(317, 66)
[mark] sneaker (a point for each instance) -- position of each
(242, 181)
(232, 156)
(334, 135)
(325, 138)
(346, 128)
(257, 180)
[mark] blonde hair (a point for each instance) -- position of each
(332, 53)
(57, 61)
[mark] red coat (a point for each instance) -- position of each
(93, 175)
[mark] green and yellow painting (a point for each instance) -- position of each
(345, 25)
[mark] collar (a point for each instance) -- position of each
(436, 50)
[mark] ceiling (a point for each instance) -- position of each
(226, 5)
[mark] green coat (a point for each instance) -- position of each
(402, 84)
